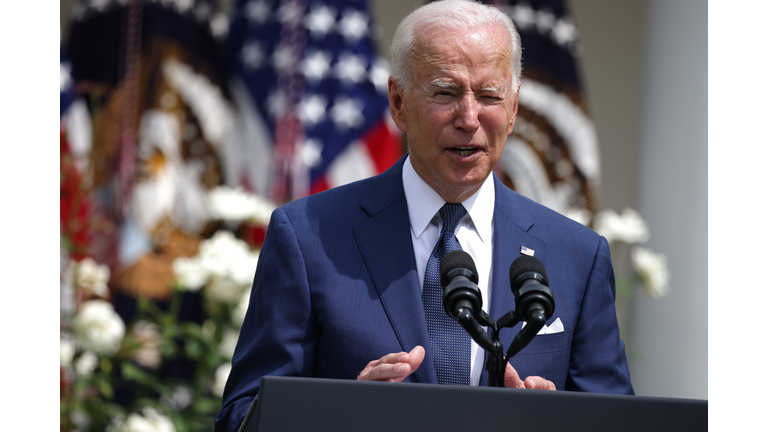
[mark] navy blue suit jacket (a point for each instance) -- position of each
(336, 287)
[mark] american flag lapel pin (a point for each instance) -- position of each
(527, 251)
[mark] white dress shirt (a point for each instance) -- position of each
(474, 232)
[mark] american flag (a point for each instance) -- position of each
(317, 91)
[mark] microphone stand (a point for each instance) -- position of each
(496, 363)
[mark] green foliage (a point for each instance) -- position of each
(90, 397)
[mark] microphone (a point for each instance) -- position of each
(458, 276)
(534, 302)
(462, 299)
(533, 298)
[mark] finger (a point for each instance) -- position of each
(416, 356)
(511, 378)
(414, 359)
(401, 357)
(391, 367)
(539, 383)
(389, 372)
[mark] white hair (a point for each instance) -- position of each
(449, 15)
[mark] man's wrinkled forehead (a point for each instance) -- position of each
(429, 46)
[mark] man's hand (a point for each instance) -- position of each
(512, 380)
(393, 367)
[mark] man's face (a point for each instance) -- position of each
(460, 109)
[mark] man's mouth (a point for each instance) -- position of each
(464, 151)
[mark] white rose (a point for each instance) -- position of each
(653, 271)
(231, 264)
(224, 289)
(238, 313)
(98, 328)
(243, 267)
(628, 227)
(216, 253)
(180, 399)
(86, 364)
(191, 273)
(580, 215)
(66, 352)
(92, 277)
(228, 343)
(220, 378)
(237, 205)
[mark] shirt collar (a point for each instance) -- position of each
(424, 203)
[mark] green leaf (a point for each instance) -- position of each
(208, 405)
(131, 372)
(193, 348)
(104, 386)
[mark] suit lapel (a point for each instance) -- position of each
(385, 243)
(512, 220)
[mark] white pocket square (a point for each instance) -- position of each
(555, 327)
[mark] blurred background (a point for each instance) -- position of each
(177, 142)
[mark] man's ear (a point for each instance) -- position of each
(514, 109)
(397, 104)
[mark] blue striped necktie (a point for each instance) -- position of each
(451, 344)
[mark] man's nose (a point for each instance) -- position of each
(467, 114)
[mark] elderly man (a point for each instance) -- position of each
(345, 285)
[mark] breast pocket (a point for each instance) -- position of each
(547, 356)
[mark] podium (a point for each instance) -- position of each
(318, 404)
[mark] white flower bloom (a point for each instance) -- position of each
(221, 375)
(81, 420)
(580, 215)
(653, 271)
(220, 251)
(86, 364)
(93, 277)
(628, 227)
(228, 343)
(98, 328)
(238, 313)
(66, 352)
(225, 266)
(180, 399)
(237, 205)
(224, 289)
(243, 267)
(191, 273)
(231, 264)
(149, 338)
(148, 421)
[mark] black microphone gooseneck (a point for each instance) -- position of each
(463, 302)
(534, 301)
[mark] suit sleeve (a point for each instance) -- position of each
(598, 362)
(279, 334)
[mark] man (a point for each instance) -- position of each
(338, 288)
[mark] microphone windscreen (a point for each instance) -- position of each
(456, 259)
(526, 264)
